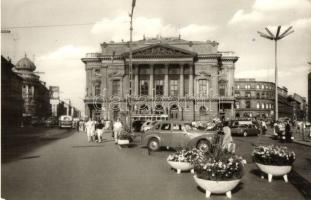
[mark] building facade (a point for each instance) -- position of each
(172, 78)
(11, 96)
(35, 94)
(257, 99)
(309, 95)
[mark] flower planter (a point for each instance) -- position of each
(123, 142)
(273, 170)
(181, 166)
(216, 187)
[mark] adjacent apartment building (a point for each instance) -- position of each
(172, 78)
(257, 99)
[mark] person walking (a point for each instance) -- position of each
(117, 128)
(288, 133)
(99, 130)
(263, 127)
(90, 129)
(227, 142)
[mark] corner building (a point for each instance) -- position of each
(172, 78)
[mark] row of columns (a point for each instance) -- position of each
(166, 81)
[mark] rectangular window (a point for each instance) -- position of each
(237, 94)
(159, 87)
(116, 87)
(247, 94)
(186, 85)
(97, 90)
(144, 87)
(222, 90)
(174, 87)
(247, 104)
(202, 87)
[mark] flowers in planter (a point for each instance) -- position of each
(226, 167)
(182, 155)
(273, 155)
(192, 156)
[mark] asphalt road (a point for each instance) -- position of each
(71, 168)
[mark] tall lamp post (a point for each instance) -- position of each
(276, 37)
(131, 64)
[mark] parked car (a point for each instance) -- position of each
(36, 121)
(148, 126)
(176, 134)
(65, 121)
(51, 122)
(244, 130)
(136, 126)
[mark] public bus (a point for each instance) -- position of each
(65, 121)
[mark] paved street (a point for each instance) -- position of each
(68, 167)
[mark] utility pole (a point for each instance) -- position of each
(131, 64)
(276, 37)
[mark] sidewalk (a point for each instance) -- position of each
(299, 139)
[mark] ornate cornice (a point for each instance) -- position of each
(230, 58)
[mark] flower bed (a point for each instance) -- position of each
(228, 167)
(218, 171)
(274, 160)
(273, 155)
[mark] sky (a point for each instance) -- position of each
(57, 51)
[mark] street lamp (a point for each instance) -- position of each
(276, 37)
(131, 63)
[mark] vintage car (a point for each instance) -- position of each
(244, 130)
(175, 134)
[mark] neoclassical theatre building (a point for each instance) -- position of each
(172, 79)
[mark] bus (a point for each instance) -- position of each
(65, 121)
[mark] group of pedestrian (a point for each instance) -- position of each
(95, 129)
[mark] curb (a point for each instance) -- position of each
(303, 143)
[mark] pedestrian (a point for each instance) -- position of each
(227, 142)
(99, 130)
(78, 125)
(90, 129)
(263, 127)
(117, 128)
(288, 133)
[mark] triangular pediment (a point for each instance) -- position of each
(161, 51)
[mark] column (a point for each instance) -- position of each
(166, 81)
(121, 89)
(191, 81)
(136, 83)
(232, 111)
(181, 81)
(88, 82)
(151, 92)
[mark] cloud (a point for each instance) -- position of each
(63, 67)
(273, 11)
(240, 16)
(118, 28)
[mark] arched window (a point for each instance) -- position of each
(257, 105)
(174, 112)
(144, 109)
(158, 110)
